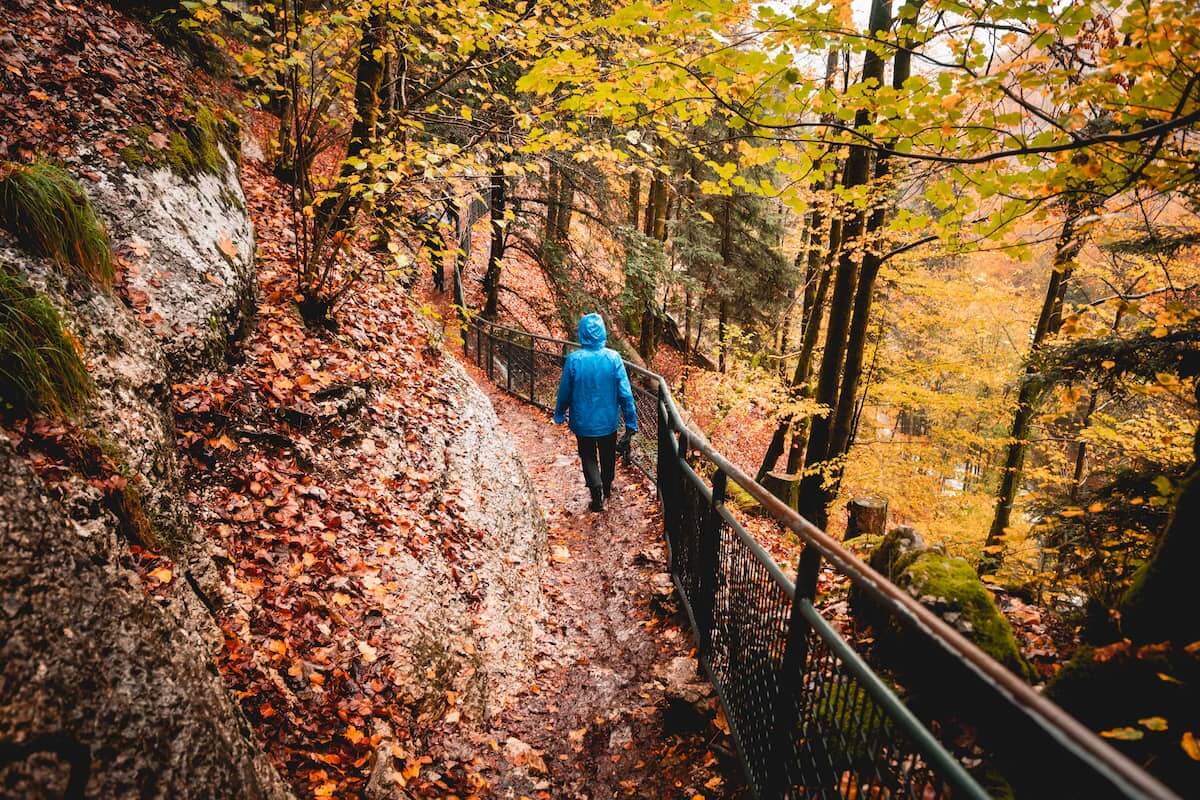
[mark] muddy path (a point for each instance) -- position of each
(619, 708)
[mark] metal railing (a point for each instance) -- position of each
(810, 717)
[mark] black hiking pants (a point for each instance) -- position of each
(599, 457)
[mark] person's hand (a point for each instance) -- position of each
(624, 445)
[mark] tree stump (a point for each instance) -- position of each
(866, 515)
(783, 485)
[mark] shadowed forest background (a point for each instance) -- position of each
(928, 270)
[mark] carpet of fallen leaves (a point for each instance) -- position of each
(619, 708)
(289, 482)
(73, 73)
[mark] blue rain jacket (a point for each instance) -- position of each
(594, 387)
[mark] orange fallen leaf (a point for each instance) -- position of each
(162, 575)
(227, 247)
(1190, 745)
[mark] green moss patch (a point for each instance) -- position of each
(947, 586)
(190, 151)
(40, 365)
(955, 591)
(850, 722)
(50, 215)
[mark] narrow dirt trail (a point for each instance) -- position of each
(619, 709)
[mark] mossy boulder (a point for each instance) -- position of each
(739, 498)
(947, 586)
(1120, 689)
(950, 587)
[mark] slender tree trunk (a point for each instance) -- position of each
(814, 492)
(566, 200)
(491, 281)
(635, 196)
(657, 211)
(726, 263)
(843, 421)
(816, 286)
(552, 191)
(652, 196)
(1070, 242)
(687, 325)
(784, 339)
(340, 210)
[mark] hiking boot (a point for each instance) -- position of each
(607, 490)
(597, 499)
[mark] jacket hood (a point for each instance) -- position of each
(591, 332)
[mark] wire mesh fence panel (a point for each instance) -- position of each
(851, 736)
(547, 369)
(746, 647)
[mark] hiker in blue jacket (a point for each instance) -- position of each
(593, 391)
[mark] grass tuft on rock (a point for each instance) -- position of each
(50, 215)
(40, 365)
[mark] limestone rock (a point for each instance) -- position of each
(98, 683)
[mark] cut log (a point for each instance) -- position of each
(783, 485)
(866, 515)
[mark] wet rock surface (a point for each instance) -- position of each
(102, 690)
(187, 246)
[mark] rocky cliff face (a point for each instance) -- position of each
(107, 677)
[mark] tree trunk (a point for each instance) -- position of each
(816, 286)
(814, 493)
(726, 258)
(651, 196)
(1070, 242)
(491, 281)
(635, 196)
(843, 421)
(340, 210)
(552, 190)
(566, 200)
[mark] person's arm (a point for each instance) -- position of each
(625, 395)
(563, 401)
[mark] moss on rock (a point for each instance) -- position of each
(191, 151)
(849, 722)
(947, 586)
(739, 498)
(951, 588)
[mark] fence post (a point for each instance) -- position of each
(532, 365)
(478, 344)
(706, 571)
(508, 348)
(491, 356)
